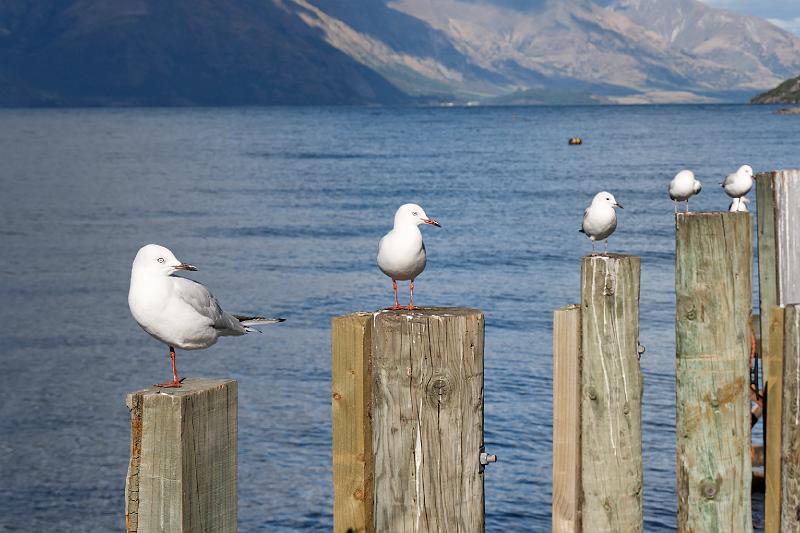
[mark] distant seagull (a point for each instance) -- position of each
(600, 219)
(682, 187)
(739, 183)
(177, 311)
(401, 252)
(739, 204)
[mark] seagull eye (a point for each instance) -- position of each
(415, 213)
(160, 259)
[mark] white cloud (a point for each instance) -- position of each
(792, 25)
(782, 13)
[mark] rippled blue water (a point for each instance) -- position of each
(282, 210)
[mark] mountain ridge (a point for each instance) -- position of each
(384, 52)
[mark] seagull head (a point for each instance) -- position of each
(606, 198)
(412, 214)
(156, 259)
(747, 170)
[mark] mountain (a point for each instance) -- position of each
(787, 92)
(174, 52)
(624, 50)
(500, 52)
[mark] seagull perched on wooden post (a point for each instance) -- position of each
(177, 311)
(401, 252)
(600, 219)
(739, 183)
(682, 187)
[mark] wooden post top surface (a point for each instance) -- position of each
(609, 255)
(188, 387)
(420, 312)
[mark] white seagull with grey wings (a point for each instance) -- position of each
(682, 187)
(600, 219)
(401, 252)
(179, 312)
(739, 183)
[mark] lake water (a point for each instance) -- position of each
(282, 209)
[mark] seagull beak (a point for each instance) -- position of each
(432, 222)
(619, 205)
(186, 266)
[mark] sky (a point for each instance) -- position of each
(783, 13)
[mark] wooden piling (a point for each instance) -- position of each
(423, 371)
(773, 400)
(790, 434)
(566, 419)
(611, 392)
(351, 379)
(713, 289)
(182, 470)
(778, 209)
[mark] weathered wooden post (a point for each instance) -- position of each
(597, 393)
(778, 202)
(408, 421)
(790, 433)
(567, 420)
(713, 261)
(182, 470)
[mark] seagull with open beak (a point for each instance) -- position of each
(401, 252)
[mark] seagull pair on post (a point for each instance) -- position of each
(684, 185)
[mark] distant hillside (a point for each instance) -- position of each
(787, 92)
(175, 52)
(496, 52)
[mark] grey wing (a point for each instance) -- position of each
(204, 303)
(583, 224)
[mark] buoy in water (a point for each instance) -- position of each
(574, 141)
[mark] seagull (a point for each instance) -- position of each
(739, 204)
(739, 183)
(600, 219)
(682, 187)
(401, 252)
(177, 311)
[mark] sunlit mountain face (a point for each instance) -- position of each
(210, 52)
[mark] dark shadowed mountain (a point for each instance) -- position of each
(174, 52)
(238, 52)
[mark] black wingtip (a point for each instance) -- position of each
(581, 231)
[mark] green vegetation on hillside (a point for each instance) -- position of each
(787, 92)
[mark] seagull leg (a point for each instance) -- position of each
(410, 306)
(687, 205)
(606, 250)
(593, 252)
(175, 383)
(394, 286)
(675, 205)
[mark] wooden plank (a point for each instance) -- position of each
(787, 233)
(428, 420)
(351, 341)
(566, 419)
(790, 434)
(611, 393)
(767, 266)
(773, 399)
(183, 458)
(713, 290)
